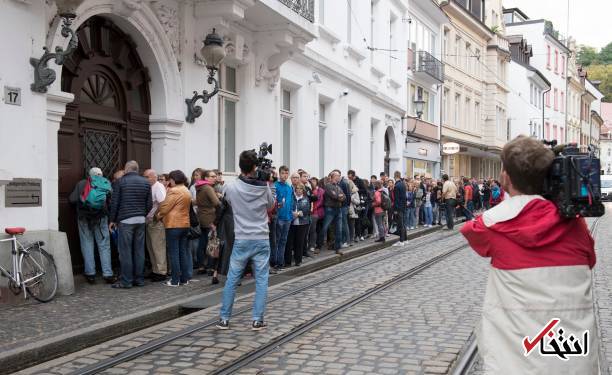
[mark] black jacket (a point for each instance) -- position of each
(399, 193)
(131, 197)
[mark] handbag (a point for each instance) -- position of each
(212, 249)
(194, 224)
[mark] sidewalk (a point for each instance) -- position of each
(32, 332)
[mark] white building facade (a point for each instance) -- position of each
(297, 75)
(525, 100)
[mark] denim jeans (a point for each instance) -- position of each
(450, 212)
(131, 253)
(282, 231)
(177, 246)
(345, 227)
(202, 244)
(411, 217)
(428, 211)
(470, 206)
(258, 251)
(333, 214)
(90, 230)
(379, 224)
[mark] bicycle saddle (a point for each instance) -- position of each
(16, 230)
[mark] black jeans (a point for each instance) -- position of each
(399, 220)
(450, 212)
(295, 244)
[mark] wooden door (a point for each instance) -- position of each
(108, 122)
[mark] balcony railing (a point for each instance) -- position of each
(426, 63)
(304, 8)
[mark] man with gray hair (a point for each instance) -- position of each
(131, 203)
(90, 197)
(156, 233)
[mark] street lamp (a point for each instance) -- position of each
(43, 75)
(419, 104)
(213, 53)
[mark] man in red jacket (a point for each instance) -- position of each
(539, 292)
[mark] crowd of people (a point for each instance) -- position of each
(186, 224)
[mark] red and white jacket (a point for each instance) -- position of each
(541, 269)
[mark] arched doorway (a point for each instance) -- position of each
(108, 122)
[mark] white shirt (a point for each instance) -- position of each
(158, 193)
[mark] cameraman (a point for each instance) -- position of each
(250, 200)
(541, 269)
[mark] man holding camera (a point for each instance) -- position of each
(250, 199)
(539, 292)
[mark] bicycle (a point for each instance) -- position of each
(34, 269)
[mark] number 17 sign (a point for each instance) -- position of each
(12, 95)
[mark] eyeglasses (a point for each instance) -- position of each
(161, 179)
(212, 176)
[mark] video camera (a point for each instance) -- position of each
(264, 165)
(573, 182)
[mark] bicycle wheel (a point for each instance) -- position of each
(39, 274)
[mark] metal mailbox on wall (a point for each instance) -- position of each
(23, 192)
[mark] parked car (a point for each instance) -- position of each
(606, 187)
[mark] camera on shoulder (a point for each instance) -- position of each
(264, 164)
(573, 182)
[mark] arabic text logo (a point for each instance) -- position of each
(557, 343)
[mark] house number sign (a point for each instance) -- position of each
(12, 95)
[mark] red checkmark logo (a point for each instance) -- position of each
(529, 345)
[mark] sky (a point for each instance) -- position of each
(589, 21)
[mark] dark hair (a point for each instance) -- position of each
(208, 172)
(303, 172)
(283, 168)
(466, 180)
(351, 173)
(382, 174)
(178, 176)
(445, 177)
(397, 174)
(526, 161)
(373, 176)
(247, 161)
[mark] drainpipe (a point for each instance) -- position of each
(581, 108)
(543, 109)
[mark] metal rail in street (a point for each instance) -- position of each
(466, 362)
(165, 340)
(248, 358)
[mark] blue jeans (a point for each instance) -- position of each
(177, 247)
(470, 206)
(202, 244)
(131, 253)
(411, 217)
(244, 250)
(345, 226)
(428, 211)
(90, 230)
(282, 231)
(333, 214)
(450, 213)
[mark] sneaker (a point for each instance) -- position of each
(258, 325)
(110, 279)
(344, 245)
(398, 244)
(338, 252)
(169, 283)
(91, 279)
(223, 324)
(215, 281)
(361, 238)
(273, 271)
(118, 285)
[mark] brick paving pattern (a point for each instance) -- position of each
(209, 348)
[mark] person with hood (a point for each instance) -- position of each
(207, 202)
(540, 281)
(497, 194)
(250, 200)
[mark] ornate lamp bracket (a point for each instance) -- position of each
(195, 111)
(43, 75)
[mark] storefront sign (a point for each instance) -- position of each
(12, 95)
(422, 151)
(451, 148)
(23, 192)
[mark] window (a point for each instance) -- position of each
(562, 66)
(468, 112)
(228, 98)
(547, 99)
(445, 106)
(372, 145)
(372, 28)
(348, 21)
(554, 131)
(457, 110)
(476, 125)
(556, 62)
(411, 97)
(468, 60)
(561, 135)
(445, 46)
(562, 101)
(548, 57)
(556, 102)
(426, 106)
(322, 12)
(531, 93)
(477, 63)
(322, 128)
(286, 117)
(547, 128)
(349, 141)
(457, 43)
(392, 23)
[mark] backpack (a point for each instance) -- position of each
(385, 201)
(95, 192)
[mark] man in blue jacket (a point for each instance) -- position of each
(399, 206)
(284, 216)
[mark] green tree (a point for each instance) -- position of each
(602, 73)
(587, 55)
(605, 55)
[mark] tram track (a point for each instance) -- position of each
(158, 343)
(467, 361)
